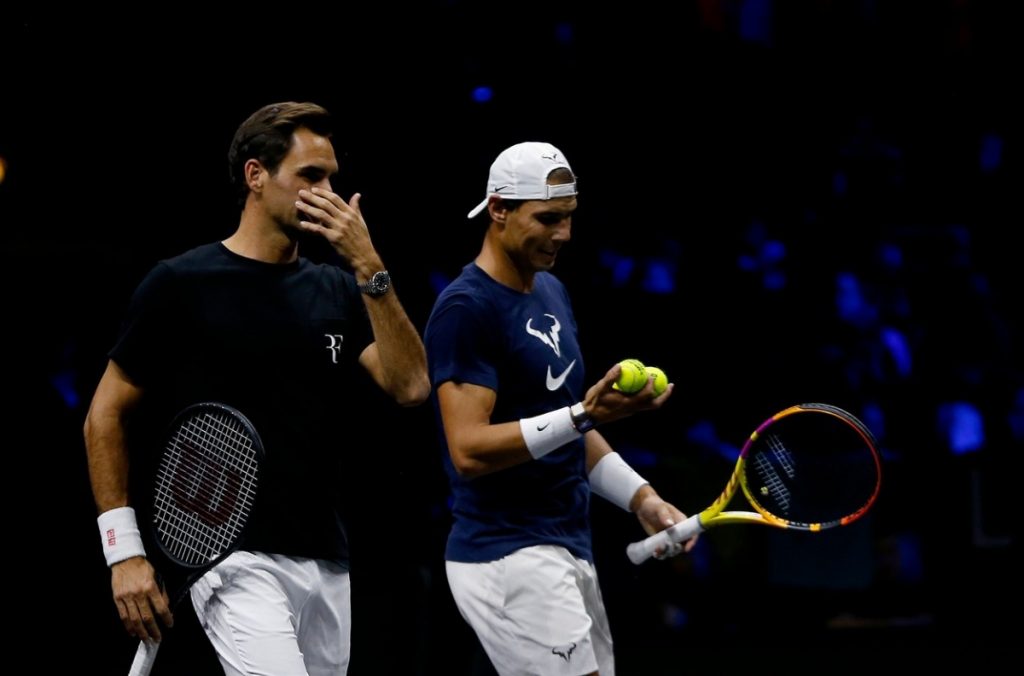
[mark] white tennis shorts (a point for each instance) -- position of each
(273, 614)
(537, 612)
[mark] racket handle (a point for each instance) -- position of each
(638, 552)
(144, 658)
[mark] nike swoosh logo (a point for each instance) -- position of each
(554, 383)
(541, 428)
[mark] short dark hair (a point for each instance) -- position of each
(267, 136)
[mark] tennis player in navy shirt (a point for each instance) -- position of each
(523, 456)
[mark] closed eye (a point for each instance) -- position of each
(314, 175)
(551, 217)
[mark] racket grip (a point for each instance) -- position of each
(144, 658)
(638, 552)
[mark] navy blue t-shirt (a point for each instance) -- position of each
(281, 344)
(524, 347)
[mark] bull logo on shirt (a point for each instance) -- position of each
(551, 337)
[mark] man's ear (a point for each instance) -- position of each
(255, 175)
(497, 208)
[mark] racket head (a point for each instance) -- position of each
(205, 484)
(811, 467)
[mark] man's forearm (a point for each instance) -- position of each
(403, 360)
(108, 460)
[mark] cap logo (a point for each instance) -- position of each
(552, 157)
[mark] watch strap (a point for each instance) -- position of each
(580, 419)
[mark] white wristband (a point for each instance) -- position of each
(548, 431)
(615, 481)
(120, 535)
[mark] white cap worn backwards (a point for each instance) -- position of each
(521, 173)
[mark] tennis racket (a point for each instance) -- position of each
(203, 493)
(810, 467)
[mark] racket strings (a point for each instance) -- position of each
(782, 455)
(205, 448)
(770, 480)
(812, 469)
(206, 485)
(198, 454)
(199, 448)
(189, 538)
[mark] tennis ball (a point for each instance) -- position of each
(660, 379)
(632, 378)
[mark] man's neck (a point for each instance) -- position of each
(499, 266)
(261, 239)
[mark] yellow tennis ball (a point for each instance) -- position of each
(632, 377)
(660, 379)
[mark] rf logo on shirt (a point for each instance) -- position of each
(334, 345)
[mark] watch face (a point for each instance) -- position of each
(378, 284)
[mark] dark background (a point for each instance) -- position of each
(780, 202)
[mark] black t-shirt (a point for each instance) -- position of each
(281, 344)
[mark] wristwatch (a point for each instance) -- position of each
(378, 284)
(580, 420)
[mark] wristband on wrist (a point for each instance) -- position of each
(615, 481)
(548, 431)
(120, 535)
